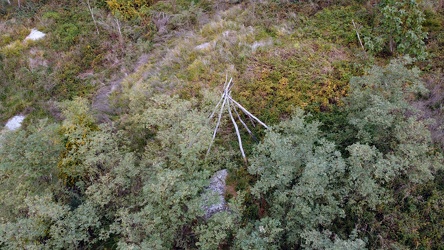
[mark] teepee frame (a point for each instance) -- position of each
(231, 105)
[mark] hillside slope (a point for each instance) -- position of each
(117, 150)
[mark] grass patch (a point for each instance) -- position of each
(311, 74)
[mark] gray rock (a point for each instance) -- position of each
(214, 200)
(35, 35)
(15, 122)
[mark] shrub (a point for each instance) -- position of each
(129, 9)
(76, 129)
(312, 75)
(399, 29)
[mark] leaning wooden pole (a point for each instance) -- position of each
(218, 123)
(239, 139)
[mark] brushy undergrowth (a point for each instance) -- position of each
(342, 171)
(279, 60)
(75, 58)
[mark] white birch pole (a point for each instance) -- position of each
(237, 132)
(230, 103)
(248, 113)
(359, 37)
(218, 122)
(92, 15)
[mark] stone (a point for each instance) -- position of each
(15, 122)
(216, 189)
(35, 35)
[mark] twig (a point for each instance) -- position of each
(118, 27)
(251, 121)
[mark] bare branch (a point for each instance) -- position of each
(240, 119)
(237, 132)
(252, 121)
(248, 113)
(92, 15)
(359, 38)
(218, 122)
(227, 100)
(118, 27)
(215, 108)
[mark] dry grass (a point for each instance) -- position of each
(274, 64)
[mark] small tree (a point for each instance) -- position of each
(399, 29)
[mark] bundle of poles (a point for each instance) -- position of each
(226, 101)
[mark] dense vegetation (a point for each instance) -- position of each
(113, 151)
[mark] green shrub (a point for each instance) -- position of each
(398, 29)
(28, 161)
(67, 34)
(5, 39)
(14, 49)
(311, 74)
(378, 101)
(335, 24)
(76, 130)
(129, 9)
(51, 15)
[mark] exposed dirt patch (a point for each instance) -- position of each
(433, 106)
(101, 104)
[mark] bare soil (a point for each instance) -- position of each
(432, 107)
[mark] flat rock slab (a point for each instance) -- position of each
(215, 193)
(15, 122)
(35, 35)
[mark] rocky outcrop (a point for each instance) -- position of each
(214, 200)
